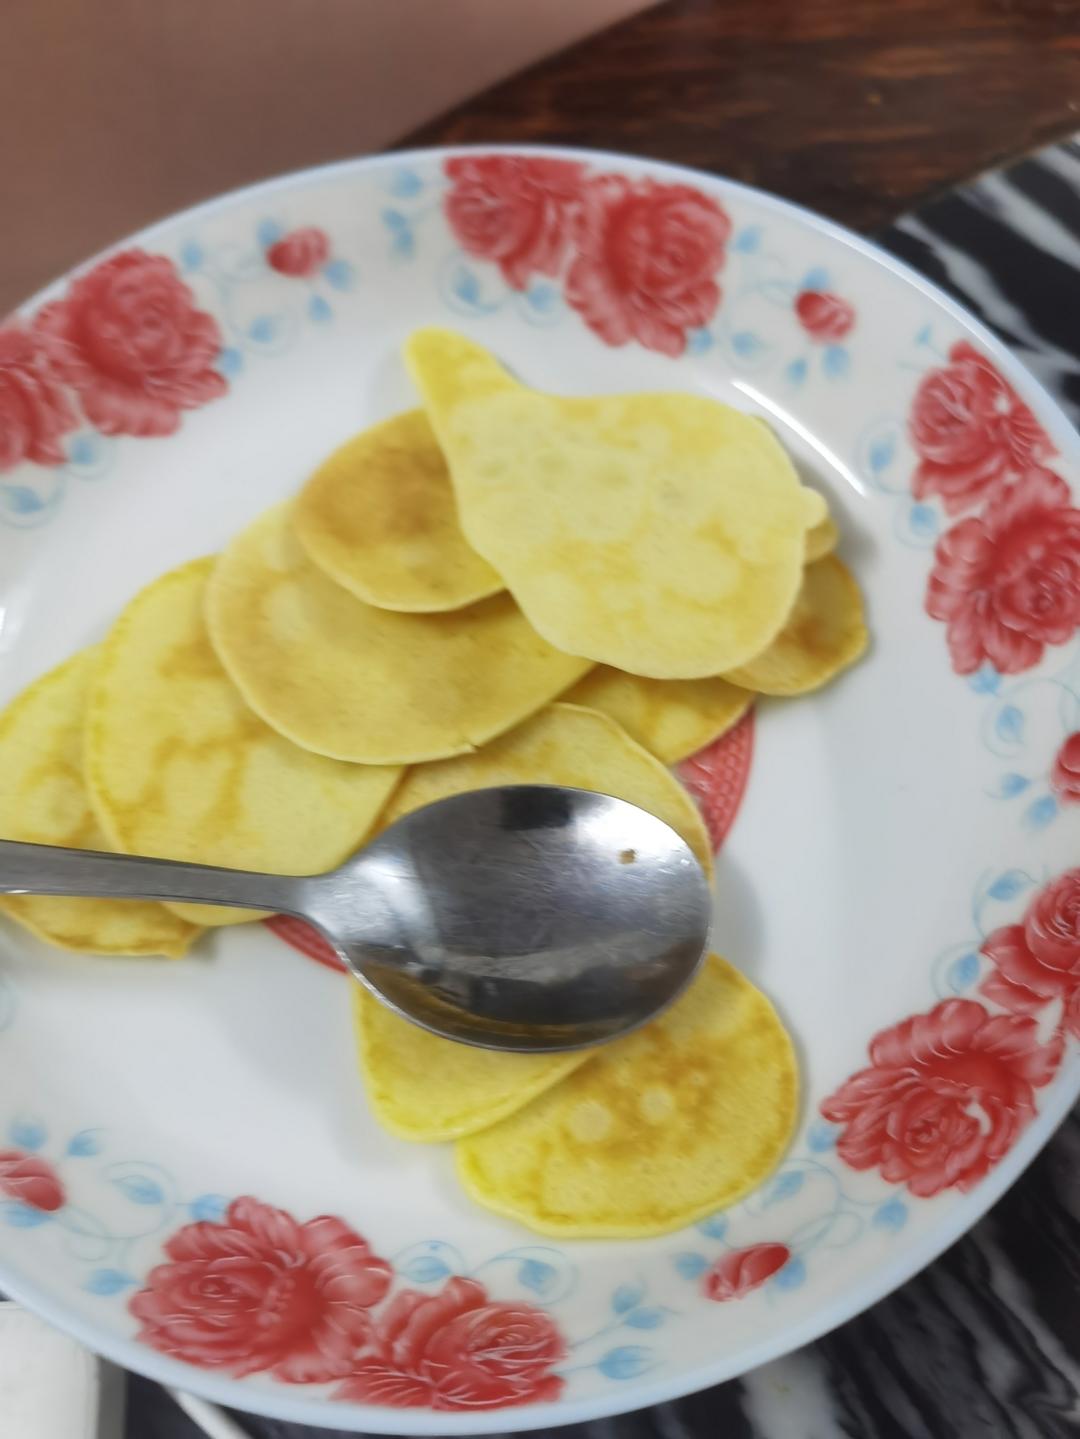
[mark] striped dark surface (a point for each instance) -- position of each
(985, 1342)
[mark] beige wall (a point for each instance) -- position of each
(115, 112)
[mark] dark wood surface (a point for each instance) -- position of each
(857, 108)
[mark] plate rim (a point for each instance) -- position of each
(966, 1210)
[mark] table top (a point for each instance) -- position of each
(859, 109)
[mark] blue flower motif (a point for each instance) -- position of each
(404, 184)
(714, 1227)
(340, 274)
(534, 1274)
(699, 342)
(815, 279)
(83, 450)
(837, 362)
(985, 680)
(425, 1269)
(796, 372)
(924, 521)
(881, 453)
(191, 255)
(230, 361)
(319, 310)
(262, 329)
(23, 1216)
(821, 1136)
(791, 1276)
(20, 499)
(746, 344)
(747, 240)
(1039, 814)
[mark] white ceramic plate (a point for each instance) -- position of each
(897, 879)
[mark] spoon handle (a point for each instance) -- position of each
(92, 874)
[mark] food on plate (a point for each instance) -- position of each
(425, 1088)
(821, 540)
(43, 800)
(662, 534)
(671, 718)
(379, 517)
(657, 1130)
(563, 744)
(180, 768)
(824, 634)
(347, 680)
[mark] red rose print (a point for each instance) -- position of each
(1008, 582)
(458, 1350)
(1038, 960)
(824, 316)
(261, 1292)
(514, 210)
(647, 260)
(34, 409)
(716, 777)
(971, 431)
(300, 253)
(128, 337)
(736, 1273)
(30, 1180)
(1065, 775)
(945, 1096)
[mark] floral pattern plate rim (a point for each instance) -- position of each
(194, 1188)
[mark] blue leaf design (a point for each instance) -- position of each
(882, 452)
(230, 361)
(815, 279)
(1009, 885)
(698, 342)
(645, 1318)
(837, 361)
(21, 500)
(625, 1362)
(542, 298)
(690, 1265)
(262, 329)
(923, 520)
(209, 1207)
(891, 1215)
(534, 1274)
(395, 220)
(83, 1144)
(924, 335)
(23, 1216)
(1012, 784)
(405, 184)
(339, 274)
(425, 1269)
(784, 1187)
(796, 372)
(191, 255)
(985, 680)
(715, 1227)
(319, 310)
(139, 1189)
(466, 286)
(268, 232)
(1010, 724)
(962, 973)
(403, 245)
(27, 1133)
(626, 1297)
(746, 344)
(791, 1276)
(1039, 814)
(83, 450)
(821, 1136)
(748, 240)
(109, 1281)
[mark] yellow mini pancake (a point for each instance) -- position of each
(671, 718)
(424, 1088)
(821, 540)
(180, 768)
(379, 517)
(825, 633)
(657, 1130)
(661, 534)
(563, 744)
(43, 800)
(345, 679)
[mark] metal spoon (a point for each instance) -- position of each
(530, 917)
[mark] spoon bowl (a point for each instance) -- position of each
(529, 918)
